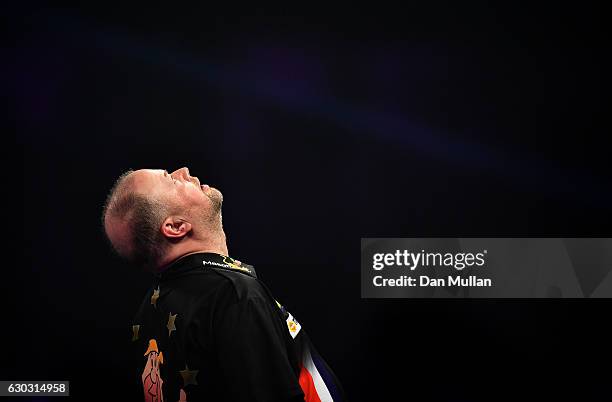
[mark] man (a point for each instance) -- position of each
(208, 329)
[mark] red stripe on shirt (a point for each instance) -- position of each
(308, 387)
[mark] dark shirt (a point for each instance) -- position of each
(209, 328)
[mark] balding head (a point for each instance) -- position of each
(132, 216)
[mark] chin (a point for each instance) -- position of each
(216, 193)
(215, 197)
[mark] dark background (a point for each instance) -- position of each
(320, 128)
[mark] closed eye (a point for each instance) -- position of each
(169, 176)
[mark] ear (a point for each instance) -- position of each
(175, 228)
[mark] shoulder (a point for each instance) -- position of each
(244, 302)
(240, 286)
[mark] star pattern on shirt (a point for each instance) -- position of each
(135, 330)
(189, 376)
(171, 327)
(155, 296)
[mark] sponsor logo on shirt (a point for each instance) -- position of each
(293, 325)
(227, 265)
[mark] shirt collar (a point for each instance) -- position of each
(205, 260)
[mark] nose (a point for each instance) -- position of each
(182, 172)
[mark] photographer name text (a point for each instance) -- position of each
(429, 260)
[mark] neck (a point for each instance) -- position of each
(214, 243)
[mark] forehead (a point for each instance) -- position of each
(144, 180)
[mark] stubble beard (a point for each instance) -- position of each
(216, 200)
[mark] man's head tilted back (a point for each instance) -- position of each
(152, 217)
